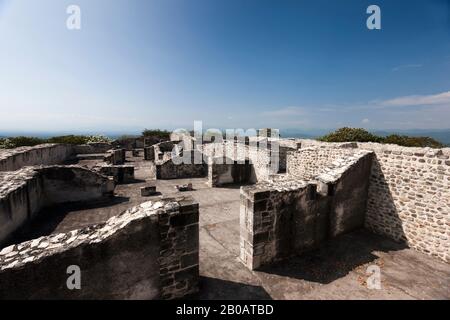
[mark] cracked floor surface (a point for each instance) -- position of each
(337, 271)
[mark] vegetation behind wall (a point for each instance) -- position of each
(21, 141)
(360, 135)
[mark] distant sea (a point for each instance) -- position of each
(441, 135)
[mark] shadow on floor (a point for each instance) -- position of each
(217, 289)
(50, 218)
(135, 181)
(334, 259)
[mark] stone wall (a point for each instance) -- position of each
(179, 250)
(130, 143)
(183, 167)
(168, 170)
(290, 216)
(116, 156)
(25, 192)
(147, 252)
(221, 172)
(122, 174)
(149, 153)
(259, 158)
(409, 197)
(45, 154)
(309, 162)
(92, 148)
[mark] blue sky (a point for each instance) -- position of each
(230, 63)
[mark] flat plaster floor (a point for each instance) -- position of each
(336, 271)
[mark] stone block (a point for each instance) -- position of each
(148, 191)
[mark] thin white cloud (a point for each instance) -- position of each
(365, 121)
(285, 112)
(406, 66)
(418, 100)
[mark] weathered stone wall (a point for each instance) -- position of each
(290, 216)
(149, 153)
(147, 252)
(121, 174)
(92, 148)
(409, 197)
(25, 192)
(168, 170)
(130, 143)
(179, 250)
(116, 156)
(182, 168)
(310, 162)
(259, 158)
(223, 171)
(45, 154)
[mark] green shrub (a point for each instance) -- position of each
(157, 133)
(6, 143)
(98, 139)
(127, 137)
(413, 141)
(22, 141)
(79, 139)
(351, 135)
(361, 135)
(69, 139)
(15, 142)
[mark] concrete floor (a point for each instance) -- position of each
(336, 271)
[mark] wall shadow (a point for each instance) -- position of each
(50, 218)
(335, 258)
(382, 215)
(218, 289)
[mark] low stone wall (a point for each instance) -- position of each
(92, 148)
(168, 170)
(25, 192)
(116, 156)
(149, 153)
(290, 216)
(221, 172)
(259, 158)
(121, 174)
(182, 167)
(130, 144)
(147, 252)
(45, 154)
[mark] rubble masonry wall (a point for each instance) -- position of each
(147, 252)
(25, 192)
(45, 154)
(290, 216)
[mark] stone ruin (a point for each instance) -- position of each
(157, 240)
(294, 198)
